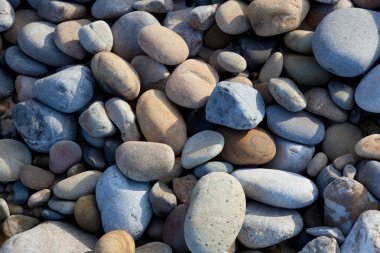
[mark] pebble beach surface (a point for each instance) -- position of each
(176, 126)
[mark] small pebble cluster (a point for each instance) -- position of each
(204, 126)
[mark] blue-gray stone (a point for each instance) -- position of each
(67, 90)
(96, 37)
(20, 193)
(346, 42)
(291, 156)
(7, 17)
(41, 126)
(7, 85)
(301, 127)
(214, 166)
(106, 9)
(235, 105)
(97, 142)
(321, 244)
(21, 63)
(369, 175)
(49, 214)
(109, 149)
(37, 40)
(368, 91)
(123, 203)
(94, 157)
(326, 176)
(342, 94)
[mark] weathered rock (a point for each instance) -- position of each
(202, 17)
(96, 37)
(322, 244)
(369, 175)
(183, 186)
(232, 18)
(327, 231)
(16, 224)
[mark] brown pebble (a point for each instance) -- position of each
(117, 241)
(182, 187)
(341, 161)
(369, 147)
(316, 164)
(216, 38)
(154, 229)
(36, 178)
(263, 89)
(87, 214)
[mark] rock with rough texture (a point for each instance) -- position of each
(327, 231)
(87, 215)
(63, 155)
(145, 161)
(183, 186)
(287, 94)
(16, 224)
(191, 83)
(235, 105)
(268, 21)
(272, 67)
(255, 146)
(265, 226)
(342, 94)
(300, 127)
(123, 203)
(216, 213)
(346, 42)
(369, 175)
(117, 241)
(96, 37)
(173, 229)
(21, 63)
(202, 17)
(60, 236)
(160, 120)
(49, 126)
(7, 17)
(364, 236)
(322, 244)
(299, 41)
(106, 9)
(64, 94)
(272, 187)
(232, 18)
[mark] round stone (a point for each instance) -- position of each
(22, 18)
(39, 198)
(316, 164)
(22, 63)
(342, 94)
(63, 155)
(299, 41)
(87, 215)
(231, 17)
(231, 62)
(287, 94)
(117, 241)
(272, 67)
(36, 178)
(7, 18)
(96, 37)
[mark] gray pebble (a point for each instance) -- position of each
(97, 142)
(21, 63)
(7, 17)
(94, 158)
(322, 244)
(287, 94)
(7, 86)
(342, 94)
(39, 198)
(369, 175)
(49, 214)
(272, 67)
(299, 41)
(4, 210)
(213, 166)
(162, 199)
(326, 176)
(60, 11)
(231, 62)
(61, 206)
(106, 9)
(327, 231)
(96, 37)
(367, 92)
(154, 6)
(349, 171)
(316, 164)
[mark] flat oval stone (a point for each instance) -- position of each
(213, 166)
(221, 196)
(87, 215)
(123, 203)
(7, 18)
(235, 105)
(50, 126)
(107, 9)
(37, 40)
(299, 41)
(7, 84)
(287, 94)
(36, 178)
(160, 121)
(342, 56)
(277, 188)
(115, 75)
(22, 18)
(272, 67)
(125, 31)
(191, 83)
(201, 148)
(60, 11)
(64, 94)
(96, 37)
(145, 161)
(173, 229)
(162, 44)
(74, 187)
(369, 147)
(51, 215)
(231, 62)
(63, 155)
(316, 164)
(369, 175)
(299, 127)
(342, 94)
(39, 198)
(117, 241)
(232, 18)
(255, 146)
(21, 63)
(265, 226)
(61, 206)
(366, 92)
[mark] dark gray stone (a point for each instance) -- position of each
(7, 85)
(368, 174)
(214, 166)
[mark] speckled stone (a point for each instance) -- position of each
(96, 37)
(232, 18)
(287, 94)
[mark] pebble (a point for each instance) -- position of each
(117, 241)
(173, 229)
(203, 17)
(96, 37)
(4, 210)
(160, 121)
(220, 195)
(347, 57)
(235, 105)
(61, 206)
(345, 199)
(37, 40)
(320, 103)
(154, 247)
(125, 81)
(51, 215)
(154, 6)
(125, 31)
(22, 63)
(22, 18)
(162, 199)
(366, 92)
(327, 231)
(59, 11)
(95, 121)
(74, 187)
(154, 229)
(87, 215)
(76, 169)
(108, 9)
(13, 154)
(7, 88)
(36, 178)
(183, 186)
(201, 148)
(367, 4)
(191, 83)
(109, 149)
(232, 17)
(7, 18)
(299, 41)
(66, 38)
(326, 176)
(60, 236)
(287, 94)
(342, 94)
(145, 161)
(64, 94)
(255, 146)
(300, 127)
(349, 171)
(94, 157)
(369, 175)
(215, 38)
(24, 87)
(305, 70)
(321, 244)
(63, 155)
(39, 198)
(272, 187)
(364, 236)
(272, 67)
(123, 203)
(341, 139)
(213, 166)
(162, 44)
(291, 156)
(262, 220)
(241, 79)
(269, 21)
(231, 62)
(16, 224)
(44, 134)
(316, 164)
(20, 193)
(369, 147)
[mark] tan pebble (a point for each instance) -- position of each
(216, 39)
(263, 89)
(36, 178)
(76, 169)
(231, 17)
(87, 214)
(15, 209)
(369, 147)
(299, 41)
(272, 67)
(22, 18)
(316, 164)
(343, 160)
(117, 241)
(240, 79)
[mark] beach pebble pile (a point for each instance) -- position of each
(203, 126)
